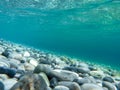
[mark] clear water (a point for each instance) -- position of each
(85, 29)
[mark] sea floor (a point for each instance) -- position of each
(26, 68)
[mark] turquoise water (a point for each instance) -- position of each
(85, 29)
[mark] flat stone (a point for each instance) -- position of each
(64, 75)
(29, 67)
(33, 62)
(15, 55)
(90, 86)
(44, 76)
(83, 70)
(108, 79)
(3, 76)
(26, 54)
(4, 62)
(97, 74)
(82, 81)
(9, 83)
(61, 88)
(83, 65)
(10, 72)
(109, 85)
(70, 85)
(43, 68)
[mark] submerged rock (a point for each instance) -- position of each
(90, 86)
(70, 85)
(43, 68)
(64, 75)
(61, 88)
(53, 82)
(26, 54)
(4, 62)
(109, 85)
(118, 86)
(10, 72)
(44, 76)
(108, 79)
(97, 74)
(9, 83)
(1, 50)
(30, 82)
(82, 81)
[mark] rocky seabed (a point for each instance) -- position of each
(24, 68)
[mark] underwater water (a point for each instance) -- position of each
(85, 29)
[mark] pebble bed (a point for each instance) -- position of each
(24, 68)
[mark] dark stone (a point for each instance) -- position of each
(81, 81)
(118, 86)
(92, 68)
(7, 52)
(108, 79)
(83, 70)
(2, 86)
(22, 61)
(71, 68)
(53, 82)
(45, 61)
(10, 72)
(43, 68)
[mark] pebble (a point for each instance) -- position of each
(1, 50)
(108, 79)
(43, 68)
(70, 85)
(91, 86)
(9, 83)
(83, 70)
(109, 85)
(61, 88)
(118, 86)
(10, 72)
(44, 76)
(3, 76)
(97, 74)
(64, 75)
(15, 55)
(53, 82)
(81, 81)
(29, 67)
(26, 54)
(33, 62)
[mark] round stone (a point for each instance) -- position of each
(61, 88)
(90, 86)
(108, 79)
